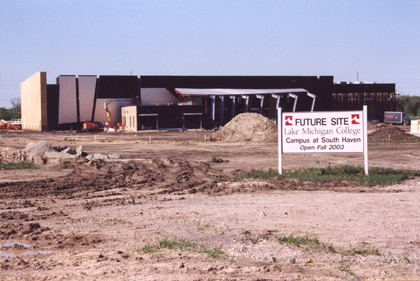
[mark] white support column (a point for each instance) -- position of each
(222, 109)
(261, 97)
(313, 102)
(232, 114)
(296, 98)
(246, 98)
(213, 110)
(277, 104)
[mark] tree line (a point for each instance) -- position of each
(410, 105)
(12, 112)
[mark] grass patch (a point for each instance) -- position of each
(176, 243)
(329, 248)
(343, 173)
(107, 223)
(182, 244)
(299, 240)
(255, 240)
(201, 227)
(214, 253)
(18, 165)
(166, 243)
(258, 174)
(148, 249)
(347, 270)
(361, 252)
(353, 174)
(313, 243)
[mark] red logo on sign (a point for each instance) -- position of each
(355, 119)
(289, 120)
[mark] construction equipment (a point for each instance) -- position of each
(92, 126)
(15, 124)
(108, 114)
(108, 125)
(96, 127)
(398, 118)
(3, 124)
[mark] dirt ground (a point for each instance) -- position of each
(104, 220)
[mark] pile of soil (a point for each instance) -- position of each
(40, 152)
(10, 154)
(248, 127)
(42, 147)
(152, 176)
(390, 132)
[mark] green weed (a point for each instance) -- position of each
(347, 270)
(313, 243)
(329, 248)
(255, 240)
(376, 175)
(299, 240)
(175, 243)
(300, 269)
(18, 165)
(406, 259)
(202, 227)
(353, 174)
(258, 174)
(214, 253)
(146, 249)
(182, 244)
(107, 223)
(361, 252)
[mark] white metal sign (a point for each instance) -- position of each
(317, 132)
(322, 132)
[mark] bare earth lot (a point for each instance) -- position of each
(82, 220)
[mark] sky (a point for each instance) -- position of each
(377, 40)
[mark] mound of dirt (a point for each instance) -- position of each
(248, 127)
(10, 154)
(389, 133)
(40, 152)
(42, 147)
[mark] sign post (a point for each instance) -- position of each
(365, 137)
(279, 124)
(323, 132)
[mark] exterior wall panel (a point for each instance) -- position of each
(67, 109)
(87, 84)
(153, 96)
(33, 95)
(118, 87)
(52, 107)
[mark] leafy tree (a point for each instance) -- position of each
(15, 103)
(5, 114)
(13, 112)
(410, 105)
(16, 107)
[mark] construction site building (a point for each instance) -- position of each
(184, 102)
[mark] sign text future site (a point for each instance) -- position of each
(320, 132)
